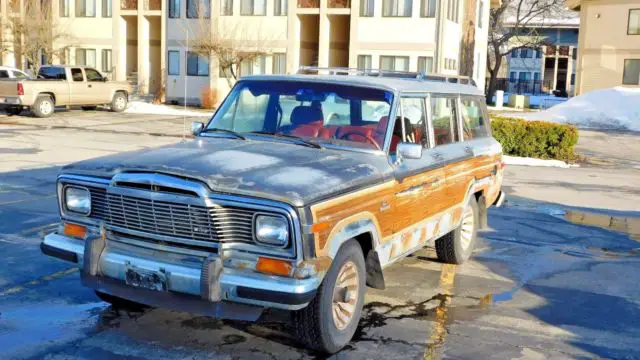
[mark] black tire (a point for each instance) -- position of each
(88, 108)
(13, 110)
(119, 102)
(450, 248)
(44, 106)
(120, 303)
(314, 325)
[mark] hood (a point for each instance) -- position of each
(274, 170)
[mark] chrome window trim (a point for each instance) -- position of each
(210, 199)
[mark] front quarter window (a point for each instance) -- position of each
(326, 113)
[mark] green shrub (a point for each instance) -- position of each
(537, 139)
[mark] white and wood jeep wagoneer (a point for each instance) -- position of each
(296, 195)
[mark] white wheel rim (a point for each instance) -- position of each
(120, 103)
(45, 107)
(345, 295)
(466, 228)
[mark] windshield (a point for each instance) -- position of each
(320, 113)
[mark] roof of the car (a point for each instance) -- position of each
(381, 82)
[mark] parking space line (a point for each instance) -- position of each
(44, 279)
(26, 200)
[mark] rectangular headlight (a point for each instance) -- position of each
(77, 200)
(272, 230)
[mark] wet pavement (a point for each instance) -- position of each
(547, 281)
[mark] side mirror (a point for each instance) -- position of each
(196, 128)
(409, 151)
(105, 79)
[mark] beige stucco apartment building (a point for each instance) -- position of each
(148, 41)
(608, 44)
(407, 35)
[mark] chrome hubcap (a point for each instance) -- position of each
(466, 228)
(345, 295)
(45, 107)
(120, 103)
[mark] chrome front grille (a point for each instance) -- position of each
(170, 219)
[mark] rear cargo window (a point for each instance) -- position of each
(55, 73)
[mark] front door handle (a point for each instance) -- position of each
(436, 155)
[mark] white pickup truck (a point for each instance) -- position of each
(62, 85)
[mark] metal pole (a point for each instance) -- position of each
(184, 116)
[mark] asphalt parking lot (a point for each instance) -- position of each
(555, 276)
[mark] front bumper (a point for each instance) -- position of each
(243, 293)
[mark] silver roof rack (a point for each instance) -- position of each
(454, 79)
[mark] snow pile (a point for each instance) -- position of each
(141, 107)
(615, 108)
(527, 161)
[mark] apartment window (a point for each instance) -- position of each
(400, 8)
(536, 76)
(197, 65)
(512, 76)
(480, 13)
(428, 8)
(174, 9)
(64, 8)
(538, 53)
(173, 66)
(631, 75)
(425, 64)
(524, 76)
(367, 8)
(197, 7)
(107, 8)
(364, 62)
(394, 63)
(106, 60)
(226, 7)
(452, 10)
(279, 64)
(634, 22)
(573, 79)
(86, 57)
(280, 8)
(85, 8)
(253, 67)
(253, 7)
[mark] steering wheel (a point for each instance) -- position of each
(369, 139)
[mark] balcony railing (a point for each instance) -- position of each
(153, 5)
(308, 3)
(340, 4)
(527, 87)
(129, 4)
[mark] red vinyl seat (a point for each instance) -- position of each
(307, 121)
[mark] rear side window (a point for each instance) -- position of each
(20, 75)
(52, 73)
(443, 115)
(474, 124)
(4, 74)
(76, 74)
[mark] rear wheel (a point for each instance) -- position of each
(43, 106)
(119, 102)
(330, 320)
(457, 246)
(120, 303)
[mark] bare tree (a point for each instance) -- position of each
(513, 26)
(34, 33)
(231, 44)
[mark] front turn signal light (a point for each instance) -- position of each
(74, 230)
(274, 266)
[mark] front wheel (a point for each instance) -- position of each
(330, 320)
(119, 102)
(457, 246)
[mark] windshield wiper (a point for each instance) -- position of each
(298, 139)
(235, 134)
